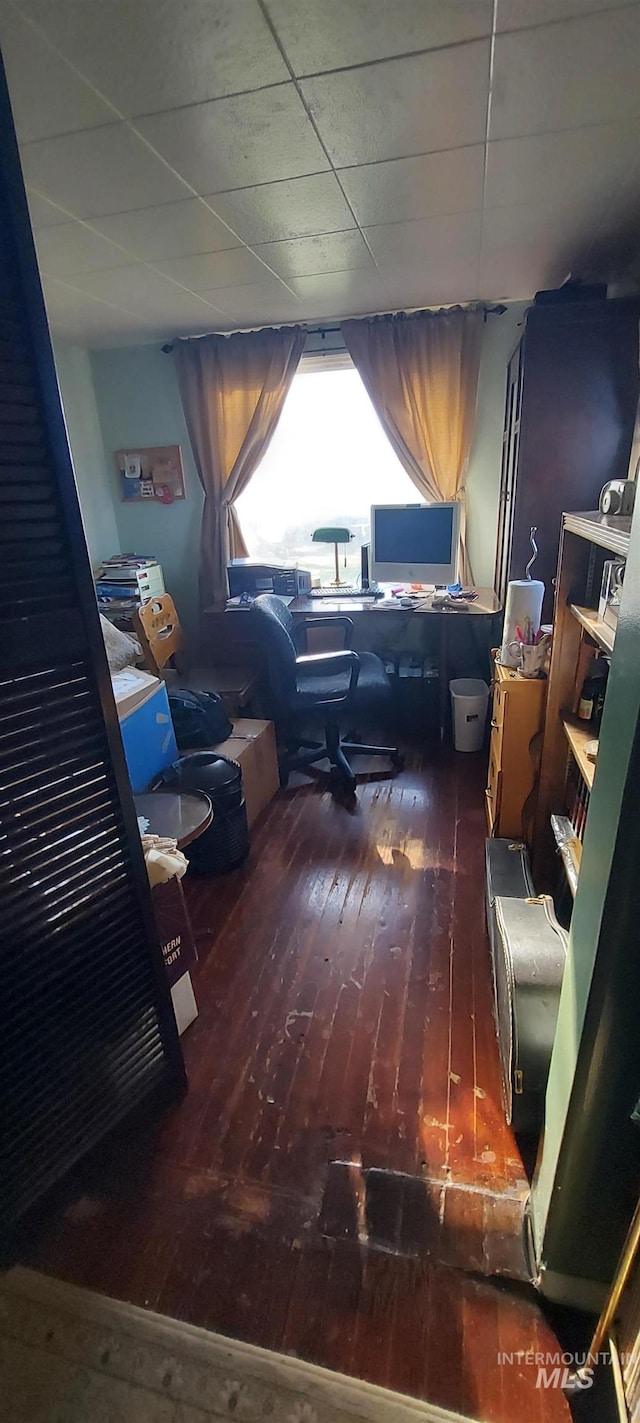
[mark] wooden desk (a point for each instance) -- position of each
(371, 616)
(231, 638)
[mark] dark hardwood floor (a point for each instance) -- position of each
(339, 1181)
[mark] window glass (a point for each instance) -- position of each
(327, 463)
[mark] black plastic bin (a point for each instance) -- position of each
(225, 844)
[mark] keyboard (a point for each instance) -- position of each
(373, 591)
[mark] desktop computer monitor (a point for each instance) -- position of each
(415, 543)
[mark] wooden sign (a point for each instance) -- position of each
(154, 473)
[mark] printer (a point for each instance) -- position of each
(247, 576)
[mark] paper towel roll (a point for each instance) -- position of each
(524, 600)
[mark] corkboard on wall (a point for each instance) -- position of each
(154, 473)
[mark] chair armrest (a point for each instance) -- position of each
(320, 663)
(303, 624)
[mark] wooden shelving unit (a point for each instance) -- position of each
(578, 736)
(600, 632)
(586, 541)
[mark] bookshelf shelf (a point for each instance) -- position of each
(601, 633)
(578, 735)
(566, 775)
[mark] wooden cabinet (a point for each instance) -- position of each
(572, 393)
(517, 717)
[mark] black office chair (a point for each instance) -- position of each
(296, 689)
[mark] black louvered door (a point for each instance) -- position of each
(86, 1025)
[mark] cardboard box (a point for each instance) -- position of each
(131, 687)
(174, 928)
(146, 728)
(253, 745)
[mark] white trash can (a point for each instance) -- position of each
(469, 700)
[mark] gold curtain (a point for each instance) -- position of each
(421, 373)
(233, 389)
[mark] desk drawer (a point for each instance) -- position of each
(494, 787)
(499, 703)
(497, 734)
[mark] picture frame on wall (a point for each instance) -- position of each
(152, 474)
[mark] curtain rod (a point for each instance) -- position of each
(496, 310)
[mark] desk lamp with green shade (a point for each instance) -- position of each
(333, 536)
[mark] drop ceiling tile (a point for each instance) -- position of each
(150, 55)
(560, 76)
(428, 283)
(208, 270)
(43, 213)
(258, 303)
(416, 105)
(587, 163)
(232, 143)
(71, 248)
(432, 239)
(404, 189)
(170, 230)
(295, 207)
(139, 288)
(516, 273)
(333, 34)
(527, 225)
(340, 294)
(47, 96)
(99, 171)
(520, 14)
(302, 257)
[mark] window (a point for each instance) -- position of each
(327, 463)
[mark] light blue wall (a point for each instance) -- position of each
(501, 334)
(139, 405)
(87, 450)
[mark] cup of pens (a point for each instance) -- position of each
(532, 648)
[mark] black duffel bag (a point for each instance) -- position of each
(199, 719)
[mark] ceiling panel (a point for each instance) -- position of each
(257, 303)
(231, 143)
(533, 224)
(441, 239)
(296, 207)
(402, 116)
(408, 188)
(333, 34)
(519, 14)
(70, 248)
(149, 55)
(48, 97)
(340, 293)
(43, 213)
(578, 163)
(515, 273)
(138, 288)
(429, 282)
(99, 171)
(215, 269)
(562, 76)
(416, 105)
(304, 256)
(171, 230)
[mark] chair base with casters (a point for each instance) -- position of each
(326, 686)
(300, 753)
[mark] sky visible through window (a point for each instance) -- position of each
(327, 463)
